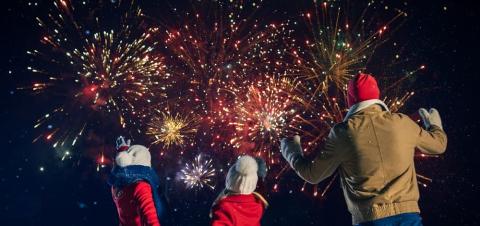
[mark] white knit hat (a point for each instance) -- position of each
(243, 175)
(135, 155)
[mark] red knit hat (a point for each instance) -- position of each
(362, 87)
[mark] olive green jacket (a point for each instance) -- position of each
(373, 149)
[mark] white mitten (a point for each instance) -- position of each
(430, 118)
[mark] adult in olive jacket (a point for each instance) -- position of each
(373, 150)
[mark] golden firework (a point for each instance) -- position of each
(172, 130)
(339, 48)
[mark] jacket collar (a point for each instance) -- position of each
(228, 196)
(362, 105)
(236, 197)
(240, 198)
(123, 176)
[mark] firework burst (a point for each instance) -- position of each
(98, 73)
(172, 130)
(262, 113)
(215, 46)
(199, 173)
(339, 48)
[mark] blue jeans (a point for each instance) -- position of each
(404, 219)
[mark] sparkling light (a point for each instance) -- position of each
(199, 173)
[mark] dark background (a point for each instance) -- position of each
(73, 193)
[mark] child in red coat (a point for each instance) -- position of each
(238, 204)
(134, 186)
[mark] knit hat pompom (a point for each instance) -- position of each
(246, 165)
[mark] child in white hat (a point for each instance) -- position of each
(134, 186)
(238, 204)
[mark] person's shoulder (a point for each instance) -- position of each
(397, 116)
(222, 203)
(401, 120)
(142, 186)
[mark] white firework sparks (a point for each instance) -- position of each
(199, 173)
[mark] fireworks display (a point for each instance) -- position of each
(172, 130)
(340, 47)
(199, 173)
(218, 46)
(235, 82)
(262, 113)
(202, 82)
(99, 74)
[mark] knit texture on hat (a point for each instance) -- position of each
(243, 176)
(135, 155)
(361, 88)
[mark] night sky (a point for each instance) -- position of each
(37, 188)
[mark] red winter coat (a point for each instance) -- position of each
(135, 205)
(239, 210)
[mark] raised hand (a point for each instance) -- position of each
(431, 117)
(121, 144)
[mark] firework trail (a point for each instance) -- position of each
(199, 173)
(99, 73)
